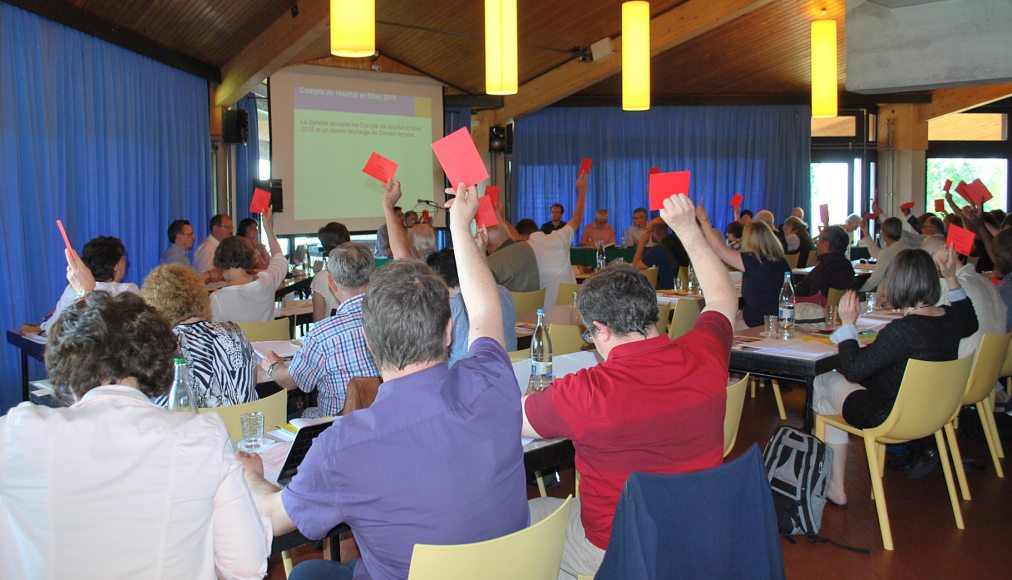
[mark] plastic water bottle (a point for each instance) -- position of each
(181, 397)
(541, 357)
(870, 303)
(602, 259)
(786, 313)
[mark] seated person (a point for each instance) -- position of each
(733, 233)
(654, 405)
(331, 236)
(512, 262)
(598, 232)
(181, 240)
(383, 236)
(334, 351)
(221, 363)
(416, 241)
(248, 229)
(891, 233)
(631, 237)
(114, 486)
(864, 388)
(656, 256)
(766, 216)
(832, 268)
(761, 261)
(384, 470)
(742, 216)
(1002, 248)
(799, 240)
(445, 266)
(247, 297)
(105, 258)
(556, 222)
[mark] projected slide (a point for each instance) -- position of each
(336, 131)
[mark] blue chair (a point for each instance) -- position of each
(717, 523)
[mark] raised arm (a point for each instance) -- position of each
(500, 213)
(396, 234)
(679, 214)
(641, 244)
(477, 286)
(727, 255)
(269, 228)
(581, 203)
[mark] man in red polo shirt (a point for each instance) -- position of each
(655, 405)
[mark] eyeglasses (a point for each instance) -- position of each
(587, 336)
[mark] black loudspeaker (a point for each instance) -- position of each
(235, 128)
(496, 139)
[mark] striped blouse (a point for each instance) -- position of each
(221, 363)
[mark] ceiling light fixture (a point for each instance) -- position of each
(352, 28)
(501, 47)
(824, 75)
(635, 56)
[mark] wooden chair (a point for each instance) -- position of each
(732, 413)
(777, 395)
(792, 259)
(813, 257)
(566, 338)
(651, 275)
(663, 317)
(565, 293)
(529, 301)
(533, 553)
(360, 393)
(686, 312)
(916, 413)
(683, 275)
(274, 408)
(835, 294)
(277, 329)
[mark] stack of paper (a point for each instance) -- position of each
(283, 348)
(794, 348)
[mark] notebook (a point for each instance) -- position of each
(281, 462)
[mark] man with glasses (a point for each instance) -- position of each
(180, 243)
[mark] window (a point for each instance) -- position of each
(992, 172)
(969, 127)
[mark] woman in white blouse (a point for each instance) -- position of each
(247, 297)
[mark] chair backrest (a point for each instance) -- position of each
(813, 257)
(663, 317)
(835, 294)
(732, 412)
(792, 259)
(1006, 367)
(277, 329)
(360, 393)
(532, 553)
(683, 275)
(566, 338)
(565, 293)
(986, 369)
(714, 523)
(529, 301)
(651, 276)
(928, 398)
(274, 408)
(684, 318)
(519, 355)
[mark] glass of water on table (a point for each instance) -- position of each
(252, 431)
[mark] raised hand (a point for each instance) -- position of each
(464, 206)
(391, 193)
(679, 213)
(78, 274)
(849, 308)
(945, 259)
(701, 214)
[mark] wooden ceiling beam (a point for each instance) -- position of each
(959, 99)
(272, 49)
(668, 30)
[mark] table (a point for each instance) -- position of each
(859, 268)
(30, 346)
(588, 256)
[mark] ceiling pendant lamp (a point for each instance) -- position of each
(353, 28)
(824, 77)
(635, 56)
(501, 47)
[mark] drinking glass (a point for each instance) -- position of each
(252, 430)
(831, 315)
(772, 323)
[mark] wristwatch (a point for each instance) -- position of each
(270, 369)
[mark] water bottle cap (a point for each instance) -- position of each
(541, 310)
(179, 360)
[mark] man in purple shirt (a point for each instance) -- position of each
(392, 471)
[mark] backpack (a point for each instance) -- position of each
(798, 468)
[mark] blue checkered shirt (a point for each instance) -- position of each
(334, 352)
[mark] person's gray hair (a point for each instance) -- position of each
(619, 297)
(422, 238)
(350, 265)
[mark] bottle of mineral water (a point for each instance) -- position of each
(181, 395)
(786, 314)
(602, 258)
(541, 356)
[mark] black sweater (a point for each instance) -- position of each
(879, 367)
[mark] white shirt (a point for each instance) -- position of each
(116, 487)
(988, 305)
(321, 286)
(252, 301)
(554, 265)
(70, 296)
(203, 258)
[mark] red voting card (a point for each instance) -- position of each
(824, 213)
(492, 191)
(961, 190)
(947, 186)
(460, 159)
(654, 170)
(486, 213)
(380, 167)
(425, 217)
(978, 192)
(261, 199)
(960, 239)
(939, 205)
(585, 166)
(63, 232)
(664, 185)
(870, 216)
(907, 205)
(736, 200)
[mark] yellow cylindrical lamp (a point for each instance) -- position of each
(824, 78)
(501, 47)
(635, 56)
(353, 28)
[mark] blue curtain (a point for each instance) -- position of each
(247, 160)
(762, 152)
(108, 141)
(456, 117)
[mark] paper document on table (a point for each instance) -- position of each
(284, 348)
(795, 348)
(274, 459)
(867, 322)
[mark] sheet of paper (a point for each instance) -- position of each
(585, 166)
(492, 191)
(664, 185)
(63, 232)
(978, 192)
(960, 239)
(261, 199)
(459, 159)
(939, 205)
(947, 186)
(737, 199)
(274, 459)
(284, 348)
(380, 168)
(654, 170)
(870, 216)
(795, 348)
(961, 190)
(907, 205)
(562, 365)
(824, 213)
(485, 217)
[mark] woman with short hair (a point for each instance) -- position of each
(249, 229)
(865, 386)
(799, 239)
(220, 359)
(247, 297)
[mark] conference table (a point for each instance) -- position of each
(30, 345)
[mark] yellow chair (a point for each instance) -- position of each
(916, 413)
(651, 275)
(277, 329)
(663, 317)
(813, 257)
(732, 413)
(519, 355)
(776, 394)
(566, 338)
(1006, 371)
(565, 293)
(683, 275)
(533, 553)
(684, 318)
(835, 294)
(274, 408)
(792, 259)
(528, 301)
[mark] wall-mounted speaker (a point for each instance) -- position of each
(500, 139)
(235, 127)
